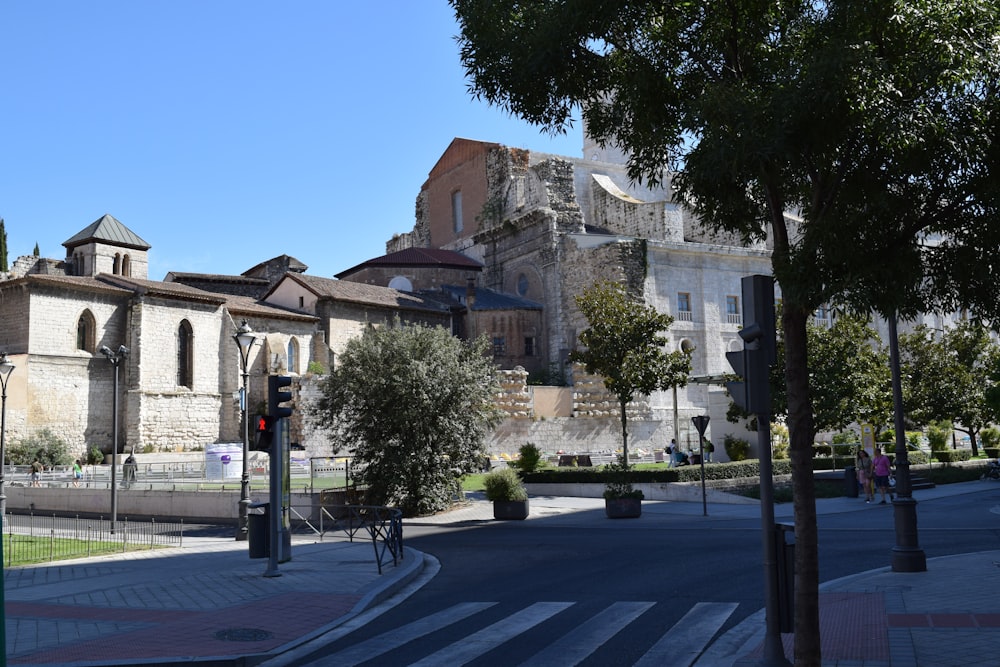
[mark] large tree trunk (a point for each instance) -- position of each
(624, 433)
(801, 430)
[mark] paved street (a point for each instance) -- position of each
(593, 593)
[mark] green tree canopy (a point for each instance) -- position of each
(849, 376)
(947, 375)
(624, 345)
(876, 125)
(3, 247)
(414, 405)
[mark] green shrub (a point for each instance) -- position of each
(95, 455)
(845, 438)
(504, 484)
(938, 434)
(316, 368)
(848, 449)
(737, 449)
(913, 439)
(44, 445)
(529, 458)
(822, 449)
(953, 455)
(990, 437)
(780, 441)
(992, 452)
(618, 482)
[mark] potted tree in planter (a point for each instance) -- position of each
(621, 500)
(505, 488)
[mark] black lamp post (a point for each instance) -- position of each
(115, 358)
(244, 338)
(6, 368)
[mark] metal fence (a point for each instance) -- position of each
(306, 474)
(32, 538)
(383, 526)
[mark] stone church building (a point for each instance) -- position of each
(503, 241)
(179, 383)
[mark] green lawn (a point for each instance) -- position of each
(29, 550)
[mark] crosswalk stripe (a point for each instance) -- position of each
(685, 641)
(388, 641)
(476, 644)
(574, 647)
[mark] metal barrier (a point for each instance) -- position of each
(30, 538)
(190, 475)
(383, 525)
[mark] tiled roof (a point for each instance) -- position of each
(66, 282)
(419, 258)
(156, 288)
(487, 299)
(180, 277)
(342, 290)
(244, 305)
(109, 230)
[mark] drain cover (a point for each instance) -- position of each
(243, 635)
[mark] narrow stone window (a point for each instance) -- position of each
(293, 356)
(185, 355)
(499, 346)
(86, 328)
(117, 267)
(529, 346)
(126, 266)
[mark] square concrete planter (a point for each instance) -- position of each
(623, 508)
(510, 509)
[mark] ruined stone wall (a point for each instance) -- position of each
(615, 211)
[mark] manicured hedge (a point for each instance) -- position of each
(691, 473)
(953, 455)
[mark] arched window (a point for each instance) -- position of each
(185, 355)
(293, 356)
(117, 268)
(126, 266)
(86, 327)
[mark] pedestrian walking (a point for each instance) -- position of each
(863, 469)
(671, 448)
(36, 472)
(77, 473)
(128, 470)
(881, 468)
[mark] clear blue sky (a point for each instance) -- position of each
(225, 133)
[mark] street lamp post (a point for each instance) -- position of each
(115, 358)
(6, 368)
(244, 338)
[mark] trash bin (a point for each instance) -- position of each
(259, 530)
(851, 482)
(785, 562)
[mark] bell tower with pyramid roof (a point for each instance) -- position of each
(107, 246)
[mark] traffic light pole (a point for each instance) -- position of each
(274, 500)
(753, 396)
(774, 650)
